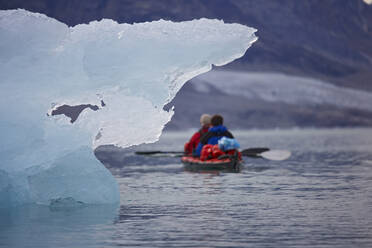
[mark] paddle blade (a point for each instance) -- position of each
(277, 155)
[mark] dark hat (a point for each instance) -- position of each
(217, 120)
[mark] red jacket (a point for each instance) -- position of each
(195, 139)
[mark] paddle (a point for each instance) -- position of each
(254, 152)
(156, 152)
(250, 152)
(263, 152)
(161, 153)
(259, 152)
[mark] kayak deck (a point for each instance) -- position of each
(226, 164)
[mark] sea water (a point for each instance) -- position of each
(320, 197)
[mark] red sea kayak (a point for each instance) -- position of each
(231, 164)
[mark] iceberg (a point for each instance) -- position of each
(118, 76)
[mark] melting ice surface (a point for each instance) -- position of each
(133, 69)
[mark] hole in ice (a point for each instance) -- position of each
(73, 112)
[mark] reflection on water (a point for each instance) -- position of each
(41, 226)
(320, 197)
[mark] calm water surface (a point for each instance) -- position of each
(320, 197)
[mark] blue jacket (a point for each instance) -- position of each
(212, 137)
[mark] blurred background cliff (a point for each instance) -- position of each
(311, 67)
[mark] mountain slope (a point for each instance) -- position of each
(269, 100)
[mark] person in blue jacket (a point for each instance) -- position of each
(215, 133)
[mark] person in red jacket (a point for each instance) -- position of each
(205, 122)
